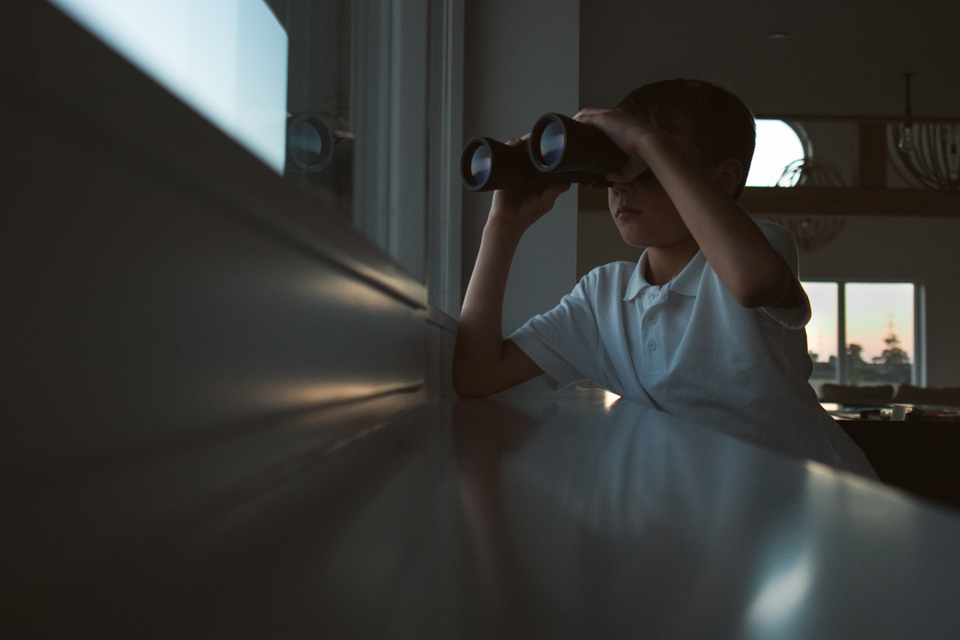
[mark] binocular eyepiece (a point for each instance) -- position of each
(559, 149)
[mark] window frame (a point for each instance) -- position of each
(407, 92)
(444, 226)
(918, 375)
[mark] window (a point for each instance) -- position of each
(822, 338)
(778, 144)
(874, 326)
(328, 95)
(226, 59)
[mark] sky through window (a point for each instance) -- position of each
(777, 146)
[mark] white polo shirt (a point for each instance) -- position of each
(691, 350)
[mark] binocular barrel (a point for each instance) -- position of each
(559, 149)
(310, 142)
(561, 144)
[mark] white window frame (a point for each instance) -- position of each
(918, 374)
(406, 113)
(446, 135)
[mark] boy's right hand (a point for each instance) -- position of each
(517, 209)
(625, 129)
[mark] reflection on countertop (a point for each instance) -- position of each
(593, 521)
(530, 516)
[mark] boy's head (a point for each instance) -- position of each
(714, 119)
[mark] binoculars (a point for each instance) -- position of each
(559, 149)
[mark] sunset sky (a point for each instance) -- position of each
(868, 316)
(822, 330)
(869, 308)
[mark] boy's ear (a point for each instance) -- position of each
(728, 175)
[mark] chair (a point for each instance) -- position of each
(908, 393)
(843, 394)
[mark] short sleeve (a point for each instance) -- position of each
(564, 341)
(782, 241)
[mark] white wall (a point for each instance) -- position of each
(836, 143)
(521, 60)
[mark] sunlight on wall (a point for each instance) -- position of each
(777, 146)
(225, 58)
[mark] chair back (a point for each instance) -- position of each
(846, 394)
(909, 394)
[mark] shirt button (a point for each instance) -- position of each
(652, 345)
(653, 319)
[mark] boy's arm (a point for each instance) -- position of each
(748, 266)
(483, 362)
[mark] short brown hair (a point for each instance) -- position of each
(715, 119)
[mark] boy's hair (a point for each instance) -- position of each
(715, 119)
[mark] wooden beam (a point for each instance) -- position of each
(850, 202)
(823, 201)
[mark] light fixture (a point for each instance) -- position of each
(924, 154)
(809, 232)
(908, 140)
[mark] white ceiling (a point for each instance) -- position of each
(843, 57)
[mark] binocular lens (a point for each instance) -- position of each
(309, 142)
(552, 141)
(306, 143)
(480, 164)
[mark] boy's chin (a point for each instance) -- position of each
(634, 240)
(642, 239)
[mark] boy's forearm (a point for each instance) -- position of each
(736, 249)
(480, 335)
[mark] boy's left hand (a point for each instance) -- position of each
(626, 130)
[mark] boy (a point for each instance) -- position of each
(709, 326)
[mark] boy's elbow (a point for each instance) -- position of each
(470, 393)
(751, 299)
(466, 390)
(760, 292)
(468, 386)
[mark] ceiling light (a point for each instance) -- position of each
(811, 233)
(925, 154)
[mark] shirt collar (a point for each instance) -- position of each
(686, 283)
